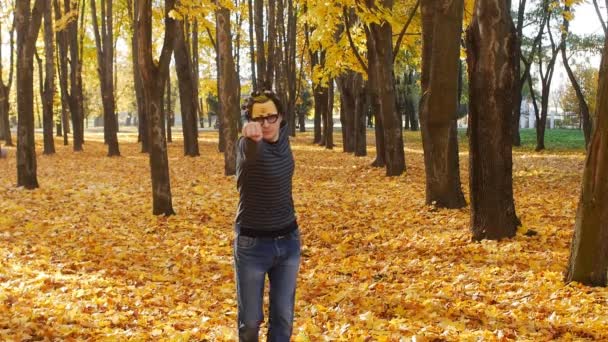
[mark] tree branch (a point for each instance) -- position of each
(405, 27)
(350, 40)
(599, 15)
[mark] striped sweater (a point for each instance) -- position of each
(264, 174)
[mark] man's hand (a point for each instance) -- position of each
(253, 131)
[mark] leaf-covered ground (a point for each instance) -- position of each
(83, 258)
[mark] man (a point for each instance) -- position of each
(267, 237)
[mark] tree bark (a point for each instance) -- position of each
(75, 97)
(5, 90)
(258, 16)
(441, 27)
(154, 76)
(168, 110)
(228, 84)
(27, 25)
(47, 91)
(105, 69)
(252, 45)
(491, 61)
(588, 262)
(380, 64)
(62, 72)
(546, 78)
(187, 95)
(329, 118)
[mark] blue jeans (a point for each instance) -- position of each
(253, 259)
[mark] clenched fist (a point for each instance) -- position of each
(253, 131)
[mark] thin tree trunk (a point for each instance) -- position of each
(62, 72)
(104, 42)
(47, 91)
(228, 85)
(75, 96)
(154, 75)
(28, 24)
(582, 103)
(588, 262)
(329, 119)
(187, 95)
(441, 27)
(252, 45)
(258, 16)
(491, 81)
(5, 89)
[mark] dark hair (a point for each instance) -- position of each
(262, 96)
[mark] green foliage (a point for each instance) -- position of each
(304, 101)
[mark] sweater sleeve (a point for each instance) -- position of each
(247, 150)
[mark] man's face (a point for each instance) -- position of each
(267, 116)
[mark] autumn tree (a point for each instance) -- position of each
(441, 28)
(574, 42)
(47, 82)
(62, 67)
(188, 95)
(154, 76)
(588, 262)
(28, 22)
(587, 79)
(491, 83)
(380, 73)
(546, 58)
(227, 89)
(75, 96)
(5, 89)
(104, 42)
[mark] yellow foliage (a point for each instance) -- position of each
(82, 258)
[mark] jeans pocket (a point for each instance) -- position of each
(245, 241)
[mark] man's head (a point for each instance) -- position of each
(265, 108)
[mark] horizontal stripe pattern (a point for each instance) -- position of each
(264, 173)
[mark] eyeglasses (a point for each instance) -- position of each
(269, 118)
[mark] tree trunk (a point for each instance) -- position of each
(47, 91)
(491, 82)
(545, 78)
(321, 102)
(75, 97)
(588, 262)
(105, 69)
(329, 117)
(5, 125)
(142, 124)
(258, 18)
(380, 64)
(582, 103)
(187, 96)
(359, 117)
(252, 45)
(228, 84)
(5, 89)
(347, 110)
(28, 24)
(62, 72)
(153, 76)
(168, 112)
(195, 77)
(441, 27)
(374, 103)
